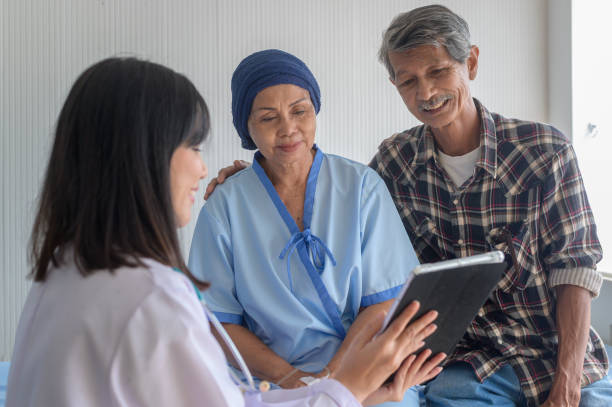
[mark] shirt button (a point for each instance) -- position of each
(456, 201)
(500, 341)
(460, 242)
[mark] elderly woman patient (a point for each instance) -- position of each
(302, 246)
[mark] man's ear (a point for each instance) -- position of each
(472, 62)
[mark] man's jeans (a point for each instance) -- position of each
(458, 385)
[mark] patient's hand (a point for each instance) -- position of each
(293, 382)
(223, 174)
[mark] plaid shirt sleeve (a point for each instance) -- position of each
(570, 248)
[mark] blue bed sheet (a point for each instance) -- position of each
(4, 368)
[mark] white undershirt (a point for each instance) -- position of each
(459, 168)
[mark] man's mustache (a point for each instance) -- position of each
(434, 101)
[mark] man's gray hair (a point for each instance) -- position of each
(430, 25)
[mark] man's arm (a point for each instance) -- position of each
(571, 248)
(573, 318)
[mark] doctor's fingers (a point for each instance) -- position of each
(401, 380)
(413, 370)
(410, 341)
(397, 327)
(417, 330)
(425, 367)
(422, 327)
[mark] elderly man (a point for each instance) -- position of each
(468, 181)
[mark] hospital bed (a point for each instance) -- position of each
(4, 367)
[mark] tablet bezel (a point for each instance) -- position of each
(494, 257)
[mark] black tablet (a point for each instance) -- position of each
(456, 288)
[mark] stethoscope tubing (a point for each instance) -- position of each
(229, 343)
(235, 353)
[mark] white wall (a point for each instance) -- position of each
(46, 44)
(560, 64)
(591, 88)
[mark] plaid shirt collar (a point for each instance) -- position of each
(426, 149)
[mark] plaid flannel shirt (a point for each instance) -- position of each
(526, 183)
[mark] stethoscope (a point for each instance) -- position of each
(249, 387)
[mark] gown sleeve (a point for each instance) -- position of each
(168, 356)
(211, 259)
(386, 252)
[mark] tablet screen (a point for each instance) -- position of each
(456, 288)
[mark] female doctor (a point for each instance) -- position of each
(112, 318)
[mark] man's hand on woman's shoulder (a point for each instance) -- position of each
(224, 173)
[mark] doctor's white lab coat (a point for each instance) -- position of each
(136, 337)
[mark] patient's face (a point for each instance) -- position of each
(282, 124)
(186, 170)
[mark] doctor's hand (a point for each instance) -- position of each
(371, 359)
(223, 174)
(414, 370)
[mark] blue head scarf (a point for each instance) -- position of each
(262, 70)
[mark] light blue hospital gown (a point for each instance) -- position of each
(303, 309)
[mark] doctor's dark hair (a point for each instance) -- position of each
(106, 192)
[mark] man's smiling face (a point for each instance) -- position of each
(433, 85)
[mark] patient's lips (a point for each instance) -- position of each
(290, 147)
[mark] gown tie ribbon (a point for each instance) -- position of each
(314, 246)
